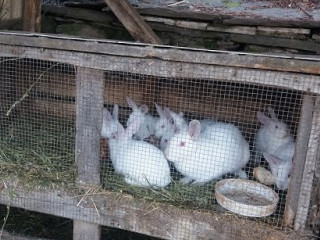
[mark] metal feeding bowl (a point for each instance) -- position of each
(246, 197)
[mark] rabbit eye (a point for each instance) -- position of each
(166, 140)
(182, 144)
(276, 126)
(162, 126)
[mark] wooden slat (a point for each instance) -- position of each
(277, 42)
(32, 16)
(133, 22)
(83, 14)
(173, 69)
(310, 65)
(299, 159)
(154, 219)
(309, 170)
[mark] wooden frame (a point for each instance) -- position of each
(175, 62)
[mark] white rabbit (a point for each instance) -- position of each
(281, 163)
(201, 158)
(179, 124)
(148, 122)
(110, 123)
(141, 163)
(271, 135)
(165, 127)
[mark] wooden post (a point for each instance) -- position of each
(299, 159)
(86, 231)
(133, 22)
(89, 104)
(32, 15)
(309, 170)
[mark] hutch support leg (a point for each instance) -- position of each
(309, 170)
(299, 158)
(89, 104)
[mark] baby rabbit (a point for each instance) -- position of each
(271, 135)
(110, 123)
(141, 163)
(210, 155)
(147, 121)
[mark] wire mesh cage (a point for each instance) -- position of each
(176, 133)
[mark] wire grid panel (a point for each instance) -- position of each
(203, 129)
(210, 133)
(37, 131)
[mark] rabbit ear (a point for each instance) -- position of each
(132, 104)
(263, 118)
(272, 159)
(159, 110)
(120, 133)
(132, 128)
(107, 115)
(167, 114)
(115, 112)
(194, 129)
(181, 114)
(178, 121)
(272, 113)
(144, 109)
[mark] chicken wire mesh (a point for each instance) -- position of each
(165, 139)
(229, 112)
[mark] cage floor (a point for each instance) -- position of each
(38, 151)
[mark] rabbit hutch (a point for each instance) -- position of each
(57, 95)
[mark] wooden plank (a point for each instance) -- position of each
(233, 29)
(116, 90)
(225, 108)
(83, 14)
(56, 108)
(11, 9)
(10, 236)
(299, 158)
(132, 21)
(295, 33)
(155, 219)
(32, 16)
(277, 42)
(174, 69)
(230, 18)
(310, 65)
(89, 104)
(86, 231)
(309, 170)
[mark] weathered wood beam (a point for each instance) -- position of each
(133, 22)
(89, 104)
(309, 170)
(225, 18)
(32, 16)
(150, 218)
(79, 13)
(214, 63)
(277, 42)
(299, 158)
(301, 64)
